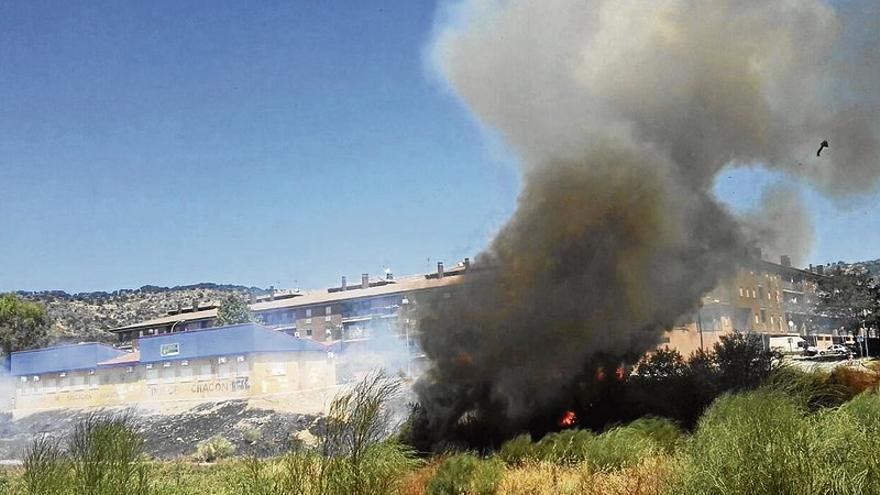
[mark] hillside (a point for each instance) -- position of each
(872, 267)
(88, 316)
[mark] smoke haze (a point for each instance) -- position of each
(623, 113)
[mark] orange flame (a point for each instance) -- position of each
(568, 418)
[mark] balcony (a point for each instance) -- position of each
(352, 316)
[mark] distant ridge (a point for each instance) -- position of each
(88, 316)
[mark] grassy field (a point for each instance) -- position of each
(798, 433)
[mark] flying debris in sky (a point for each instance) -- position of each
(822, 147)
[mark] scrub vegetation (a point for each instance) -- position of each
(795, 432)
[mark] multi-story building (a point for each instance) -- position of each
(761, 297)
(343, 313)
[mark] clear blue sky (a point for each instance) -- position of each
(259, 143)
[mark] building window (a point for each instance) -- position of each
(754, 295)
(152, 376)
(763, 315)
(168, 374)
(205, 371)
(308, 312)
(241, 368)
(172, 349)
(308, 332)
(327, 310)
(225, 370)
(756, 318)
(740, 292)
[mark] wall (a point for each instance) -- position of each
(686, 338)
(183, 380)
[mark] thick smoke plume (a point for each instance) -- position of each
(623, 112)
(780, 224)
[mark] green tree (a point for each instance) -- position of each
(23, 324)
(234, 310)
(851, 298)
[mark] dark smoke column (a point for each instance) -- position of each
(623, 112)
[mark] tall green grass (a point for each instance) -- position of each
(616, 448)
(467, 474)
(770, 442)
(103, 456)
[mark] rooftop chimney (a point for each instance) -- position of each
(388, 274)
(439, 269)
(820, 270)
(811, 267)
(365, 281)
(467, 263)
(271, 292)
(785, 260)
(343, 282)
(195, 305)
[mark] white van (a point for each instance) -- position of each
(787, 344)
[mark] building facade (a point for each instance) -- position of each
(240, 361)
(761, 297)
(343, 313)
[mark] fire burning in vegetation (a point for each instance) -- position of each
(623, 114)
(568, 419)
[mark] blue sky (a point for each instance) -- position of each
(283, 143)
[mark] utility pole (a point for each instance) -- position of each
(700, 324)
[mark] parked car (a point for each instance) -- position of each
(836, 349)
(808, 350)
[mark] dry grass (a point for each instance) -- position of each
(646, 478)
(416, 481)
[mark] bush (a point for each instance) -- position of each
(296, 472)
(565, 447)
(664, 433)
(253, 435)
(214, 449)
(466, 474)
(106, 456)
(378, 472)
(103, 456)
(45, 470)
(517, 450)
(619, 448)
